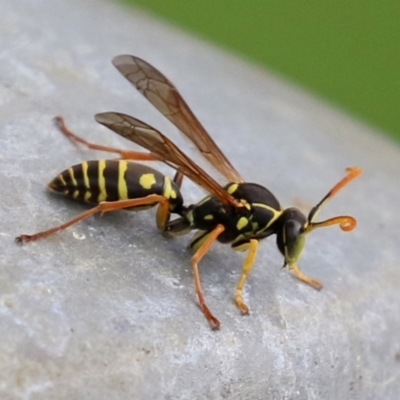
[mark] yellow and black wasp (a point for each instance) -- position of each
(240, 213)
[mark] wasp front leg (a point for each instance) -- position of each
(316, 284)
(252, 247)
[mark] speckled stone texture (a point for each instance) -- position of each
(107, 309)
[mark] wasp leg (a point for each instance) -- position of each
(102, 207)
(310, 281)
(211, 237)
(252, 246)
(163, 215)
(123, 154)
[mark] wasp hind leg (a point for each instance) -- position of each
(123, 154)
(101, 208)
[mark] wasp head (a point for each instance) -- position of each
(291, 235)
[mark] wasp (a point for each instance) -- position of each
(239, 213)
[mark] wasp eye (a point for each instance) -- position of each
(292, 229)
(291, 236)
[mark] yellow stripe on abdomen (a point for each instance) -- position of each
(102, 182)
(85, 167)
(122, 186)
(72, 176)
(61, 178)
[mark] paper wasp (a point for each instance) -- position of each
(239, 213)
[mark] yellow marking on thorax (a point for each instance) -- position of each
(276, 214)
(146, 181)
(267, 207)
(209, 217)
(102, 181)
(85, 167)
(72, 175)
(232, 188)
(168, 192)
(61, 178)
(243, 221)
(122, 186)
(245, 203)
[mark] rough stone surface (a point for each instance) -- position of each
(107, 309)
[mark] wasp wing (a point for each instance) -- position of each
(164, 149)
(166, 98)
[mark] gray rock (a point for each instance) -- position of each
(107, 308)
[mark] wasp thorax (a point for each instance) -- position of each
(291, 235)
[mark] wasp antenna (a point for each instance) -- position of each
(352, 173)
(346, 223)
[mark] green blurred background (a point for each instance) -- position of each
(346, 51)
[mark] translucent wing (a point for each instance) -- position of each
(166, 98)
(165, 150)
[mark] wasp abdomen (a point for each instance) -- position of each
(112, 180)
